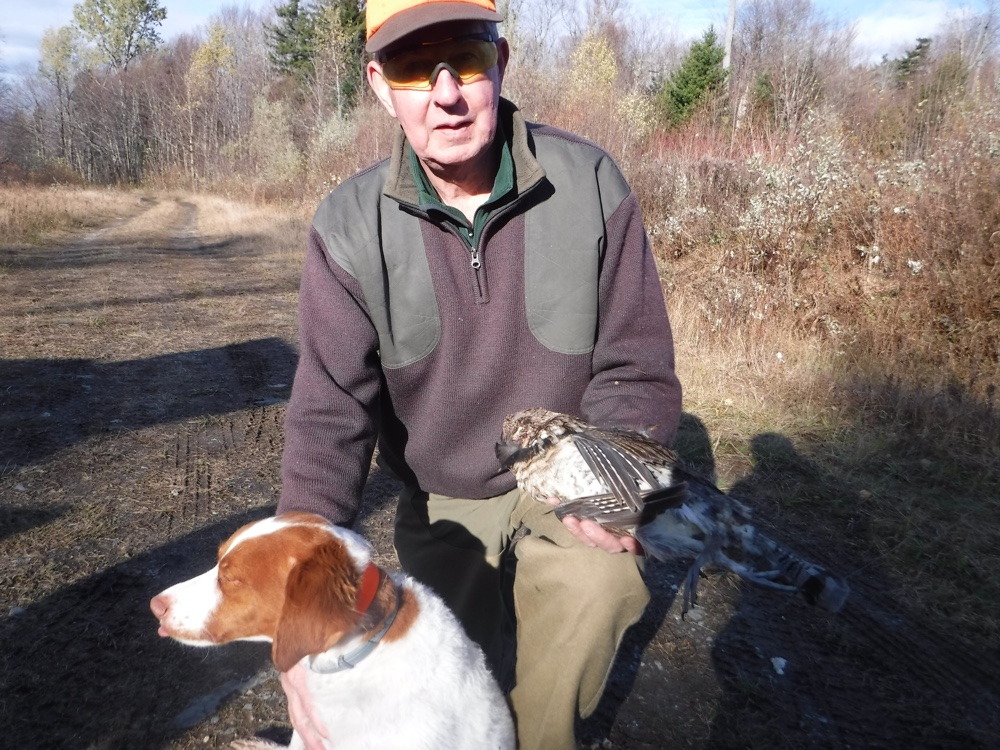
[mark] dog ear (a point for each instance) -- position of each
(319, 605)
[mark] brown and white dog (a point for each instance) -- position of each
(389, 666)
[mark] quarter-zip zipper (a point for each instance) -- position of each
(479, 286)
(479, 290)
(465, 237)
(474, 251)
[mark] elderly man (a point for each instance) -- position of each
(487, 266)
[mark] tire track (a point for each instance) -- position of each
(191, 477)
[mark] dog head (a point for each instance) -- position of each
(294, 580)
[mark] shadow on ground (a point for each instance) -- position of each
(49, 404)
(84, 667)
(877, 674)
(782, 674)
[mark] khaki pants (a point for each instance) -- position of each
(571, 604)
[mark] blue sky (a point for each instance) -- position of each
(883, 27)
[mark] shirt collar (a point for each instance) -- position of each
(526, 173)
(503, 183)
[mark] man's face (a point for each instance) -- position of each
(451, 126)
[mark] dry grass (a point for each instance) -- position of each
(838, 323)
(118, 316)
(904, 482)
(27, 212)
(283, 226)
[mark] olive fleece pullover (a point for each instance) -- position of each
(414, 340)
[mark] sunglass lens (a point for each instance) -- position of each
(418, 68)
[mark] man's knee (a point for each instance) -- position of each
(582, 574)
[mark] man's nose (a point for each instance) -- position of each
(445, 84)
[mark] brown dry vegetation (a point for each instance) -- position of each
(29, 212)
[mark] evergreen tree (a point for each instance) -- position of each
(306, 31)
(292, 40)
(913, 63)
(700, 74)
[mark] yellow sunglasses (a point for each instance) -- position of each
(417, 68)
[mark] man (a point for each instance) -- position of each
(489, 265)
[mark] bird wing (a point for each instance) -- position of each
(618, 469)
(608, 509)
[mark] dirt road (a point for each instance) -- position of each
(144, 369)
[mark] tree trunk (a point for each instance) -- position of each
(730, 28)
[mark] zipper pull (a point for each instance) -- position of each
(476, 264)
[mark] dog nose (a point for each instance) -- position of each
(159, 604)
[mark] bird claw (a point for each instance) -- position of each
(690, 598)
(764, 578)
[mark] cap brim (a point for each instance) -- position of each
(421, 16)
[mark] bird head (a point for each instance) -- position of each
(527, 432)
(531, 425)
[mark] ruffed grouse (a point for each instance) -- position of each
(632, 484)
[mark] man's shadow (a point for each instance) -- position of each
(84, 667)
(693, 444)
(876, 674)
(50, 404)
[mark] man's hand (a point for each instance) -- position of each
(301, 711)
(592, 534)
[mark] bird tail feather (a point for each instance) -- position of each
(763, 561)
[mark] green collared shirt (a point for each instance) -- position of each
(503, 186)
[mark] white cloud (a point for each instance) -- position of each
(21, 32)
(893, 29)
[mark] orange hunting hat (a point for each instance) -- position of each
(389, 20)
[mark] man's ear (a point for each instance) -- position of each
(503, 56)
(375, 79)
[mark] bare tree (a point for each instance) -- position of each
(974, 37)
(6, 112)
(245, 34)
(730, 28)
(200, 91)
(533, 30)
(333, 62)
(121, 31)
(212, 64)
(59, 63)
(783, 55)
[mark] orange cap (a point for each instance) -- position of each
(390, 20)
